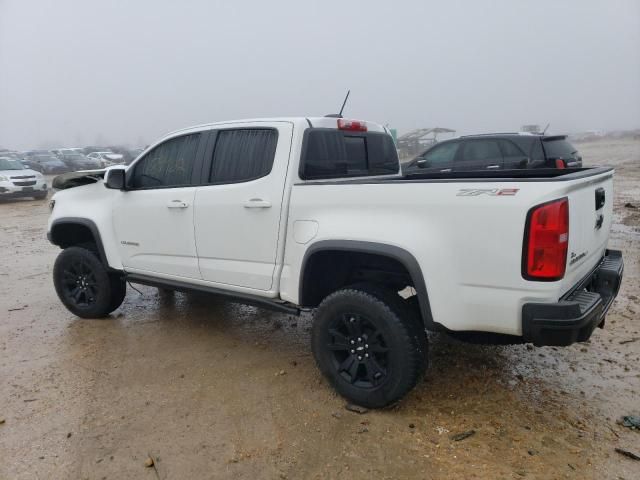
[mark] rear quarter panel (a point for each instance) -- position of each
(469, 247)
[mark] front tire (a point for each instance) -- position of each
(367, 344)
(84, 285)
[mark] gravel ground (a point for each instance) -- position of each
(210, 389)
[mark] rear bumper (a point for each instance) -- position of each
(577, 314)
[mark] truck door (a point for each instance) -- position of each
(238, 209)
(153, 218)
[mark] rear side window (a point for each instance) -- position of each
(332, 153)
(481, 150)
(510, 149)
(536, 150)
(242, 155)
(559, 148)
(170, 164)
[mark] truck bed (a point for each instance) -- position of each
(520, 175)
(466, 231)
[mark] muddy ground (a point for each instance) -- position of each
(212, 389)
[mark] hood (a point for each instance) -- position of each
(76, 179)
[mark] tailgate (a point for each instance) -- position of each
(590, 217)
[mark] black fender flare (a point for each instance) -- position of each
(391, 251)
(85, 222)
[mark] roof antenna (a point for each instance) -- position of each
(339, 115)
(545, 128)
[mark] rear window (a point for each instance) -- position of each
(332, 153)
(559, 148)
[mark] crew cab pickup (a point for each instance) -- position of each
(313, 214)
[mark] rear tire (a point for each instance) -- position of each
(84, 285)
(367, 344)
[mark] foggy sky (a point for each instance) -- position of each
(74, 73)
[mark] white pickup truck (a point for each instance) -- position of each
(313, 213)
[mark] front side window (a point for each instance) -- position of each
(170, 164)
(441, 155)
(242, 155)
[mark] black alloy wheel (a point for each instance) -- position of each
(84, 285)
(369, 344)
(360, 352)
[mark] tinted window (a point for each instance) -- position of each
(242, 155)
(481, 150)
(356, 150)
(559, 148)
(382, 156)
(333, 153)
(168, 165)
(511, 150)
(442, 154)
(536, 150)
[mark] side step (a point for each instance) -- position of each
(245, 298)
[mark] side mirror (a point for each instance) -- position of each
(423, 163)
(115, 179)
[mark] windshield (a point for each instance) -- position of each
(10, 164)
(559, 148)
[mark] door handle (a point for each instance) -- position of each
(257, 203)
(445, 170)
(177, 204)
(493, 166)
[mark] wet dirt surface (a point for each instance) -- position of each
(211, 389)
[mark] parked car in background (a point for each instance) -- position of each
(18, 181)
(127, 154)
(135, 153)
(496, 152)
(67, 151)
(94, 148)
(78, 161)
(45, 163)
(107, 159)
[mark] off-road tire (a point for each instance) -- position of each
(375, 309)
(118, 291)
(84, 285)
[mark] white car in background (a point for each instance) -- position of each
(18, 181)
(107, 158)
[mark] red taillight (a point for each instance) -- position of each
(560, 163)
(352, 125)
(546, 241)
